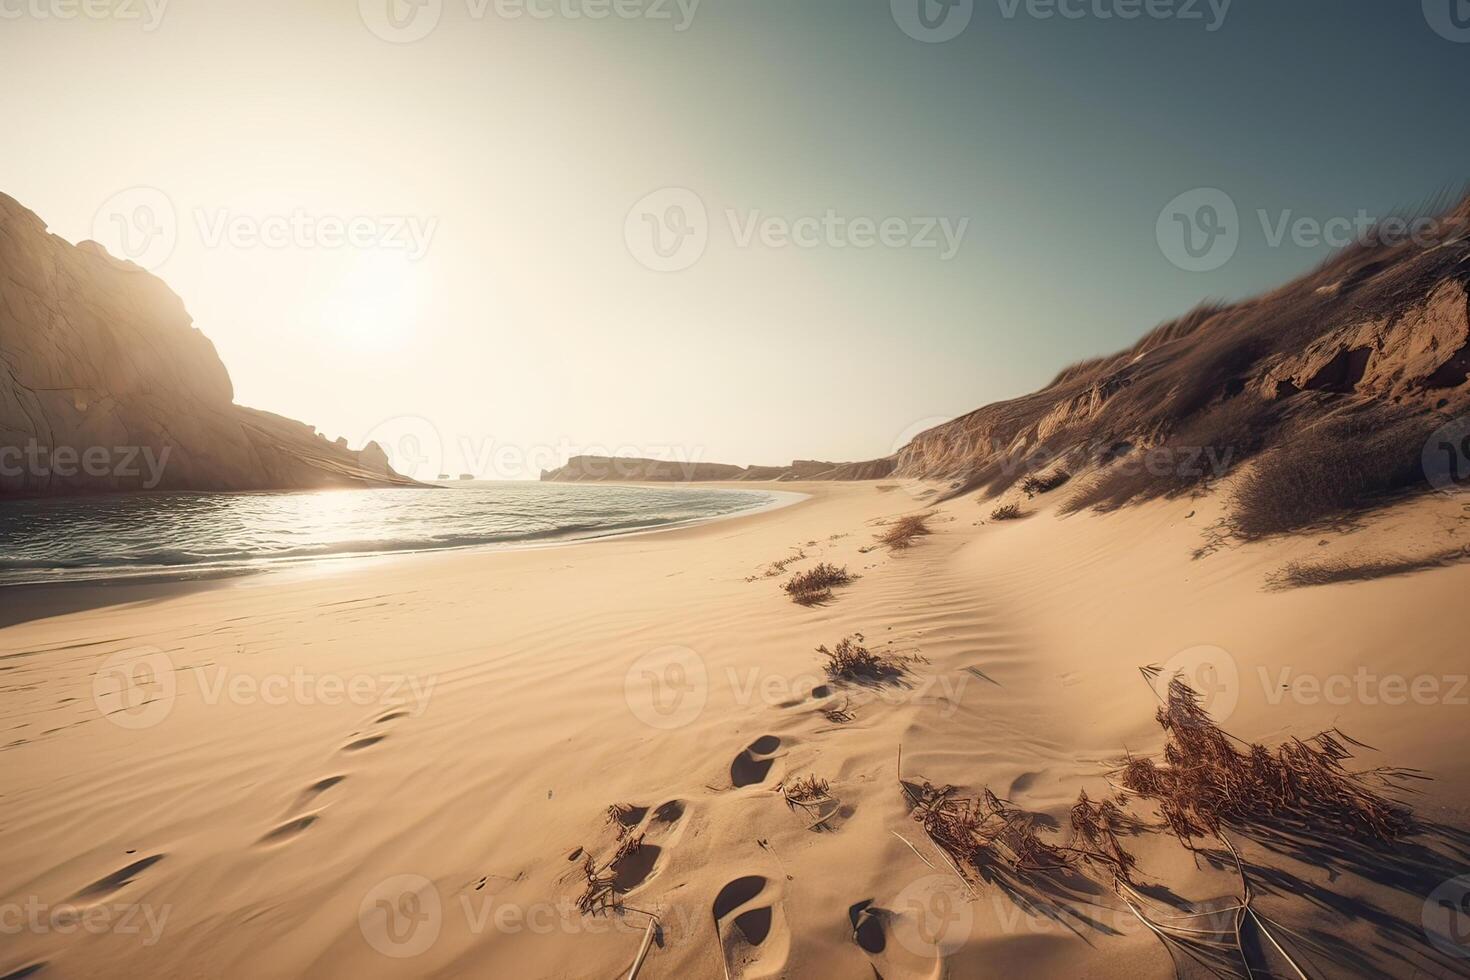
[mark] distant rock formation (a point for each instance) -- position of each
(105, 385)
(589, 469)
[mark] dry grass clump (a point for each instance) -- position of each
(901, 533)
(1203, 449)
(1209, 778)
(1006, 512)
(1328, 473)
(1299, 574)
(982, 831)
(806, 791)
(1097, 825)
(813, 795)
(1035, 485)
(815, 584)
(850, 660)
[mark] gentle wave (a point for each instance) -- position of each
(126, 536)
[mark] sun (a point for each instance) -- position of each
(376, 302)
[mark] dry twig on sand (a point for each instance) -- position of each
(778, 568)
(838, 714)
(1215, 937)
(811, 794)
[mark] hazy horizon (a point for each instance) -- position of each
(457, 230)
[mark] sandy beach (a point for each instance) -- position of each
(397, 766)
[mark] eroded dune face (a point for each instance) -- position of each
(105, 384)
(1379, 332)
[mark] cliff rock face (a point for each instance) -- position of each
(584, 469)
(588, 469)
(106, 385)
(1379, 334)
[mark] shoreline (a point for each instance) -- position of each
(511, 697)
(155, 574)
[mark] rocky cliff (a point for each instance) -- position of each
(1378, 336)
(106, 385)
(586, 469)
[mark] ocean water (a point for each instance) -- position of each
(189, 533)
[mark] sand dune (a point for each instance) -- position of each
(401, 766)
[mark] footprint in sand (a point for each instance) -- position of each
(288, 830)
(819, 692)
(367, 741)
(751, 927)
(754, 762)
(868, 926)
(319, 787)
(659, 831)
(120, 877)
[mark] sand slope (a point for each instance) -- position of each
(382, 769)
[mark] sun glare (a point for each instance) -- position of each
(375, 303)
